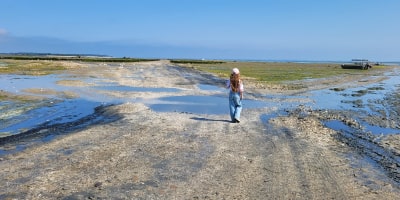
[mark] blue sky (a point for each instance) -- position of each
(210, 29)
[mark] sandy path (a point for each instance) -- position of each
(150, 155)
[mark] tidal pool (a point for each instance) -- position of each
(376, 130)
(214, 104)
(17, 117)
(17, 83)
(207, 87)
(369, 99)
(123, 88)
(47, 112)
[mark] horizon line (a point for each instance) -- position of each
(183, 58)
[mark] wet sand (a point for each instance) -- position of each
(127, 150)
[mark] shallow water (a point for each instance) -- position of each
(47, 112)
(214, 104)
(207, 87)
(352, 99)
(376, 130)
(17, 83)
(367, 99)
(17, 117)
(123, 88)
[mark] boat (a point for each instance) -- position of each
(357, 64)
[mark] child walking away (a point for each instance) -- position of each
(235, 86)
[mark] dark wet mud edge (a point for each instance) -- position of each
(49, 131)
(350, 132)
(365, 144)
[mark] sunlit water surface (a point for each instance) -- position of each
(19, 116)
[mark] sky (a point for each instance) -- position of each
(320, 30)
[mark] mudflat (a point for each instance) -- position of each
(276, 151)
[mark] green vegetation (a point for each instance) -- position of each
(43, 65)
(197, 62)
(30, 67)
(5, 96)
(277, 72)
(262, 72)
(74, 58)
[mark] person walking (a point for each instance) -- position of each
(235, 86)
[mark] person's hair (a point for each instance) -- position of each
(235, 82)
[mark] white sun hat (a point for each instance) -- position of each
(235, 71)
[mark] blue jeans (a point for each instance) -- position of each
(235, 105)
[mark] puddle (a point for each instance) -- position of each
(210, 88)
(19, 117)
(122, 88)
(338, 126)
(199, 104)
(43, 119)
(375, 130)
(17, 83)
(348, 99)
(47, 131)
(367, 99)
(47, 112)
(368, 146)
(338, 98)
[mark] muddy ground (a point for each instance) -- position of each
(274, 153)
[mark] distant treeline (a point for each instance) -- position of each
(75, 58)
(196, 62)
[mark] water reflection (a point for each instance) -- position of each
(17, 83)
(207, 87)
(123, 88)
(365, 100)
(215, 104)
(46, 112)
(19, 116)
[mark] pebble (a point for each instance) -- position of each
(98, 184)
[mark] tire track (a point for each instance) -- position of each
(298, 170)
